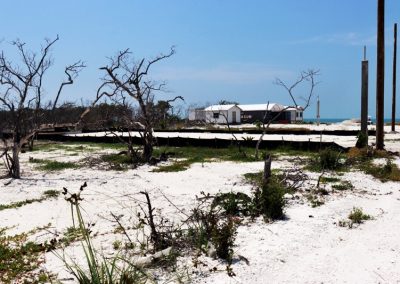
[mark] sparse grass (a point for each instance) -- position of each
(19, 258)
(51, 146)
(363, 160)
(51, 193)
(18, 204)
(176, 166)
(71, 235)
(188, 155)
(48, 165)
(329, 179)
(46, 195)
(254, 178)
(344, 185)
(116, 158)
(387, 172)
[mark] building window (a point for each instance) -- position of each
(216, 115)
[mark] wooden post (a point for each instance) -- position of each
(267, 169)
(394, 79)
(380, 75)
(318, 116)
(364, 97)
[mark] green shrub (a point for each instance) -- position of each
(233, 204)
(362, 140)
(223, 238)
(269, 200)
(328, 159)
(357, 216)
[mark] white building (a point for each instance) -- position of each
(223, 114)
(236, 114)
(295, 115)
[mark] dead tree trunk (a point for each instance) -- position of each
(267, 169)
(15, 166)
(154, 235)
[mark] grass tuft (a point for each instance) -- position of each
(48, 165)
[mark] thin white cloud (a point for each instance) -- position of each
(349, 38)
(231, 73)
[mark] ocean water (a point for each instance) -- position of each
(338, 120)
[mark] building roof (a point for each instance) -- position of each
(220, 107)
(294, 108)
(262, 107)
(274, 107)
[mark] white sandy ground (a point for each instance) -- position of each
(308, 247)
(392, 140)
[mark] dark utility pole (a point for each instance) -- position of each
(394, 79)
(380, 75)
(364, 97)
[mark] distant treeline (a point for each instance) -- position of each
(102, 116)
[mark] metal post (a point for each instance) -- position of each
(364, 96)
(394, 79)
(380, 75)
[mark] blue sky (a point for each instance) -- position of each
(226, 49)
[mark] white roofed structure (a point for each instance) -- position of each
(274, 107)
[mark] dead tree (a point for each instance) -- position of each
(305, 76)
(128, 80)
(21, 95)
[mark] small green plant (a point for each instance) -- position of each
(326, 159)
(99, 270)
(223, 238)
(269, 200)
(315, 201)
(344, 185)
(362, 140)
(117, 244)
(357, 216)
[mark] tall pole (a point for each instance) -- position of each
(380, 75)
(318, 116)
(394, 79)
(364, 97)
